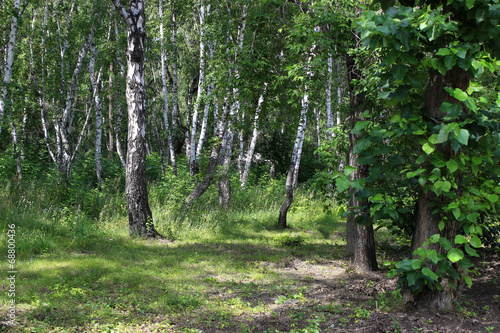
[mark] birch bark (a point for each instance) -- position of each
(139, 212)
(119, 112)
(253, 141)
(293, 170)
(7, 76)
(193, 163)
(98, 111)
(164, 90)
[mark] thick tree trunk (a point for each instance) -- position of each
(360, 237)
(140, 216)
(7, 70)
(426, 221)
(293, 170)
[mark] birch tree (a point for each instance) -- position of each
(193, 163)
(293, 170)
(95, 82)
(139, 212)
(164, 91)
(7, 70)
(253, 140)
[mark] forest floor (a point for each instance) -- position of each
(226, 272)
(235, 286)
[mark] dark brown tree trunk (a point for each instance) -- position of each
(139, 213)
(426, 222)
(360, 237)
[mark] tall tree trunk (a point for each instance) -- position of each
(360, 237)
(293, 170)
(426, 220)
(165, 94)
(214, 159)
(253, 141)
(111, 132)
(139, 213)
(226, 153)
(7, 70)
(119, 112)
(328, 93)
(175, 99)
(98, 112)
(193, 162)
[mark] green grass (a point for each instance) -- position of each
(80, 270)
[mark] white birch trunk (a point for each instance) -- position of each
(328, 92)
(98, 112)
(175, 99)
(293, 171)
(193, 163)
(139, 212)
(253, 141)
(65, 123)
(204, 124)
(165, 94)
(119, 112)
(7, 70)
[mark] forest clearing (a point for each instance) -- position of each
(250, 166)
(229, 272)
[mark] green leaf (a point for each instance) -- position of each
(446, 244)
(492, 197)
(405, 265)
(470, 3)
(441, 225)
(426, 271)
(421, 159)
(470, 251)
(412, 278)
(460, 94)
(477, 160)
(468, 280)
(455, 255)
(452, 165)
(435, 238)
(446, 186)
(342, 184)
(456, 212)
(361, 145)
(443, 136)
(459, 239)
(361, 124)
(428, 148)
(392, 273)
(416, 264)
(443, 52)
(348, 170)
(465, 263)
(463, 138)
(475, 241)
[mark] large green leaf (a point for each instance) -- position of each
(427, 271)
(342, 184)
(455, 255)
